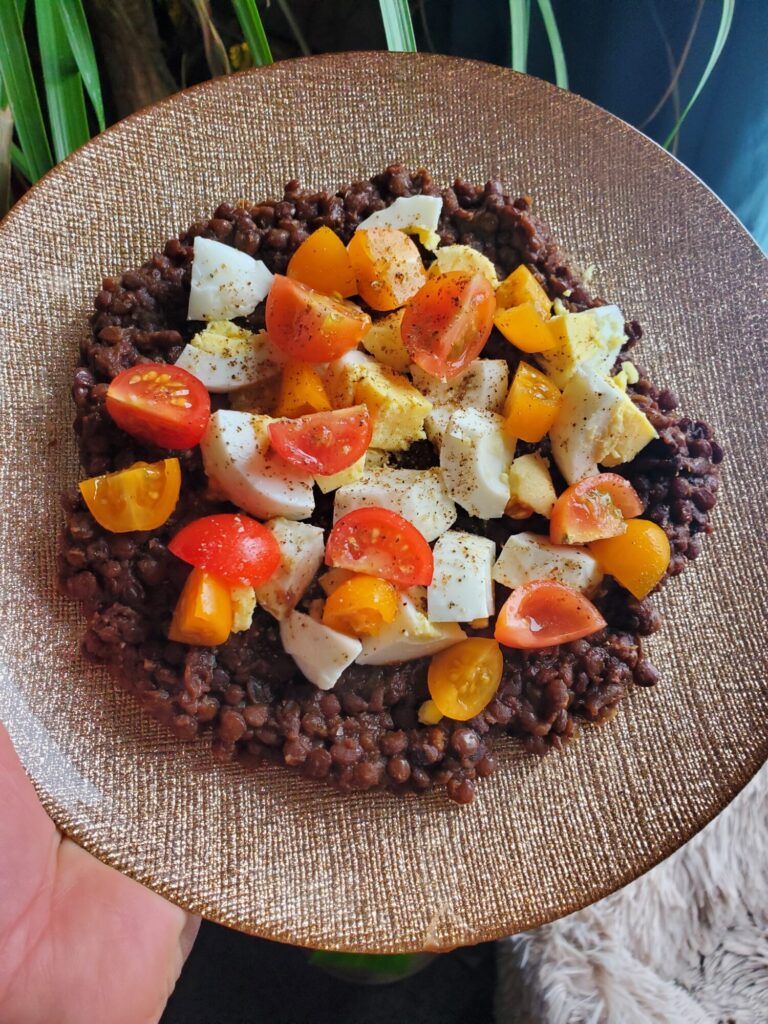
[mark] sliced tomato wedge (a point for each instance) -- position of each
(544, 613)
(594, 508)
(233, 547)
(323, 442)
(448, 321)
(381, 543)
(161, 404)
(309, 326)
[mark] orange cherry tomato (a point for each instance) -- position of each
(160, 403)
(521, 286)
(361, 607)
(637, 559)
(463, 679)
(233, 547)
(593, 508)
(309, 326)
(544, 613)
(322, 262)
(532, 404)
(301, 392)
(325, 442)
(387, 266)
(525, 328)
(379, 542)
(447, 322)
(141, 497)
(203, 613)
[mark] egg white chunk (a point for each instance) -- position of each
(529, 556)
(237, 361)
(302, 549)
(483, 385)
(462, 587)
(406, 213)
(225, 282)
(417, 495)
(475, 457)
(411, 634)
(238, 459)
(321, 654)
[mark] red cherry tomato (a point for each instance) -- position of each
(309, 326)
(380, 543)
(543, 613)
(594, 508)
(323, 442)
(160, 403)
(447, 322)
(234, 547)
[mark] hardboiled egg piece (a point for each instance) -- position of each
(483, 385)
(474, 459)
(411, 634)
(463, 259)
(225, 281)
(530, 487)
(417, 495)
(417, 215)
(462, 587)
(302, 548)
(529, 556)
(321, 654)
(592, 338)
(225, 357)
(238, 459)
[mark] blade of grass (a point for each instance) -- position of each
(67, 118)
(724, 28)
(676, 69)
(20, 163)
(216, 54)
(519, 19)
(250, 22)
(81, 45)
(6, 134)
(555, 42)
(398, 26)
(294, 26)
(22, 94)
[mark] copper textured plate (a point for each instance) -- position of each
(265, 851)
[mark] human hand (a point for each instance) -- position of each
(79, 942)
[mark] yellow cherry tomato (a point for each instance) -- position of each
(637, 559)
(322, 262)
(301, 392)
(532, 404)
(525, 327)
(521, 286)
(361, 607)
(203, 614)
(387, 266)
(141, 497)
(463, 679)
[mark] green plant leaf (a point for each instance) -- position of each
(520, 20)
(398, 26)
(250, 22)
(67, 119)
(20, 162)
(555, 42)
(723, 30)
(6, 135)
(294, 26)
(22, 94)
(81, 45)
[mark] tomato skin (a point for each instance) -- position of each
(561, 613)
(448, 321)
(234, 548)
(463, 679)
(594, 508)
(322, 262)
(161, 404)
(311, 327)
(203, 613)
(379, 542)
(141, 497)
(323, 443)
(637, 559)
(387, 266)
(361, 607)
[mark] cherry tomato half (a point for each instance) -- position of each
(463, 679)
(387, 265)
(379, 542)
(447, 322)
(544, 613)
(233, 547)
(203, 613)
(141, 497)
(309, 326)
(323, 442)
(594, 508)
(161, 404)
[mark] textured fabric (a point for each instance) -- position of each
(266, 851)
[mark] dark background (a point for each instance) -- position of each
(617, 57)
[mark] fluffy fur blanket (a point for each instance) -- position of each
(685, 944)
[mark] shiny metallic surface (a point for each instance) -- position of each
(263, 850)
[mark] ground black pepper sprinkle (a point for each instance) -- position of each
(365, 734)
